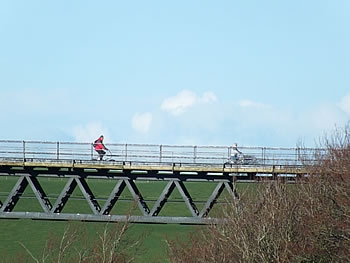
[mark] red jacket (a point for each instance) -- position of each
(98, 144)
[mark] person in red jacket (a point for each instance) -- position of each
(100, 148)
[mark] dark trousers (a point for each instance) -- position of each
(101, 153)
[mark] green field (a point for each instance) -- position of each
(34, 233)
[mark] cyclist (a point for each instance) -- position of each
(235, 153)
(100, 148)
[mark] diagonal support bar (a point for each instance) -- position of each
(64, 196)
(89, 196)
(212, 199)
(15, 194)
(163, 198)
(232, 190)
(187, 198)
(39, 193)
(113, 197)
(137, 197)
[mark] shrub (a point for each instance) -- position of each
(308, 221)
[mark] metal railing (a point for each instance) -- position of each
(151, 153)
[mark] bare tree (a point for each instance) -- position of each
(305, 222)
(112, 246)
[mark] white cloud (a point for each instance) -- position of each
(89, 132)
(178, 104)
(141, 122)
(208, 97)
(324, 117)
(344, 104)
(274, 123)
(252, 104)
(185, 99)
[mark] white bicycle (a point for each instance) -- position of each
(242, 159)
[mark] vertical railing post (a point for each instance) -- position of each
(263, 155)
(126, 152)
(297, 155)
(160, 153)
(58, 151)
(24, 151)
(194, 153)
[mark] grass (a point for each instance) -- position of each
(34, 233)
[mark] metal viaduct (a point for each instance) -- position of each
(28, 163)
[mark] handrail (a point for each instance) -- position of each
(196, 154)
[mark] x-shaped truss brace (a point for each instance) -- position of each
(121, 184)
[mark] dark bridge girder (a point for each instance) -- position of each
(123, 178)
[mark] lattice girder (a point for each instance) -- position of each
(121, 183)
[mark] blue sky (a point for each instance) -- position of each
(259, 73)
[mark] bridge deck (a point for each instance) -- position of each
(8, 167)
(26, 162)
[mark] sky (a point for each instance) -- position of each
(259, 73)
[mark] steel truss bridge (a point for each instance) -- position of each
(28, 163)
